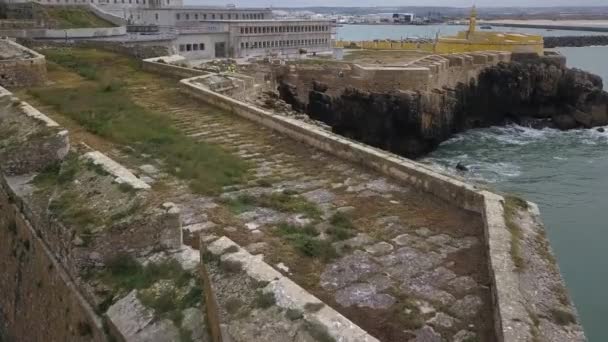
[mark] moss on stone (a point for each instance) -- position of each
(512, 206)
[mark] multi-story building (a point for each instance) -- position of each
(215, 32)
(201, 32)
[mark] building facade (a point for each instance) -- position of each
(202, 32)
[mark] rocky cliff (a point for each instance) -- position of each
(534, 92)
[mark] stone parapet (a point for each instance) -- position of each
(20, 66)
(287, 294)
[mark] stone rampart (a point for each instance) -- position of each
(40, 301)
(288, 295)
(20, 66)
(162, 65)
(423, 74)
(65, 33)
(137, 50)
(513, 322)
(55, 202)
(114, 19)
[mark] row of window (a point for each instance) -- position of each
(281, 29)
(191, 47)
(216, 16)
(283, 43)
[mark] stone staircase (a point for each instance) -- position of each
(419, 262)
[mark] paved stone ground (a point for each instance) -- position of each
(415, 270)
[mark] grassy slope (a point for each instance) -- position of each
(74, 17)
(102, 102)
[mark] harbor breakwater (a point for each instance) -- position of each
(575, 41)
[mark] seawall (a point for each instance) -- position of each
(575, 41)
(410, 110)
(512, 316)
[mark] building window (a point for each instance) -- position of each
(177, 16)
(195, 47)
(242, 30)
(187, 16)
(221, 16)
(196, 16)
(213, 16)
(205, 16)
(242, 45)
(182, 47)
(201, 46)
(156, 16)
(188, 47)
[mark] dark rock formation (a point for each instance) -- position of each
(535, 92)
(289, 94)
(551, 42)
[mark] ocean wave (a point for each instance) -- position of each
(497, 154)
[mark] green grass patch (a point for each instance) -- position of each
(562, 317)
(101, 109)
(290, 204)
(318, 332)
(74, 17)
(512, 206)
(278, 201)
(341, 227)
(264, 300)
(240, 204)
(124, 272)
(169, 304)
(305, 241)
(71, 209)
(294, 314)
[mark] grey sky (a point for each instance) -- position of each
(454, 3)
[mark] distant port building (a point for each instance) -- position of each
(403, 18)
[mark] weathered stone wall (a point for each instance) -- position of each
(170, 70)
(42, 33)
(514, 322)
(19, 66)
(423, 74)
(137, 50)
(39, 300)
(45, 257)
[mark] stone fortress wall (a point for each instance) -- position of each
(67, 297)
(42, 258)
(512, 318)
(423, 74)
(20, 66)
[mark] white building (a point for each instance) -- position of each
(201, 32)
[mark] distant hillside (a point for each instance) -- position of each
(73, 17)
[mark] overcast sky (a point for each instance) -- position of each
(454, 3)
